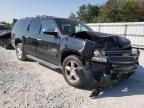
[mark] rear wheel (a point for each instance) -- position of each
(70, 64)
(20, 52)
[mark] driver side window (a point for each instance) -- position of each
(48, 25)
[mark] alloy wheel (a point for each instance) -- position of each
(70, 70)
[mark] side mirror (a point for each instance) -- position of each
(50, 32)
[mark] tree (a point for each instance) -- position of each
(112, 11)
(88, 13)
(72, 16)
(122, 10)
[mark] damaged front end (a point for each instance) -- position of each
(108, 60)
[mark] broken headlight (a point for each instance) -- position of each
(99, 56)
(99, 53)
(135, 51)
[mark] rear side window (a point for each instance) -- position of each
(34, 26)
(49, 25)
(21, 26)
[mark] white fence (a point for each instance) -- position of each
(132, 30)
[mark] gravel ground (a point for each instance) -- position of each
(31, 85)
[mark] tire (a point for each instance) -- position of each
(68, 68)
(20, 52)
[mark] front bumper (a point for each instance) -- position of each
(119, 62)
(109, 69)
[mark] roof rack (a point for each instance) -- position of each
(38, 16)
(44, 16)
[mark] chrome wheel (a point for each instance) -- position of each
(19, 52)
(70, 70)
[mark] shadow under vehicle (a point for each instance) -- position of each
(132, 86)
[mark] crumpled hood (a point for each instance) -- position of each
(106, 41)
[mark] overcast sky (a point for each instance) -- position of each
(10, 9)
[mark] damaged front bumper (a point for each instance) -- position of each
(120, 61)
(114, 66)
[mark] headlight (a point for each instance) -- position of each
(97, 53)
(99, 56)
(135, 51)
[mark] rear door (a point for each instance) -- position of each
(31, 37)
(48, 45)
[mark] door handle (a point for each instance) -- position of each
(39, 39)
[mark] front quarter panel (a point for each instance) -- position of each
(72, 44)
(83, 47)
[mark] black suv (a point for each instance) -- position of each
(85, 57)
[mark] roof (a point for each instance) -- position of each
(42, 17)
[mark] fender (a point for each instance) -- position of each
(81, 47)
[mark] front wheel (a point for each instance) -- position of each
(20, 52)
(70, 64)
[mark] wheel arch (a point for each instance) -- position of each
(68, 53)
(17, 41)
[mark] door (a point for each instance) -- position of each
(47, 46)
(30, 37)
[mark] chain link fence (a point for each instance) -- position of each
(131, 30)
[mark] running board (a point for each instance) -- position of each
(45, 63)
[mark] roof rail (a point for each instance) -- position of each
(38, 16)
(43, 16)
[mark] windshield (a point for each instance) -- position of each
(68, 26)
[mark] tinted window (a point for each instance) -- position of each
(21, 26)
(67, 26)
(49, 25)
(34, 26)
